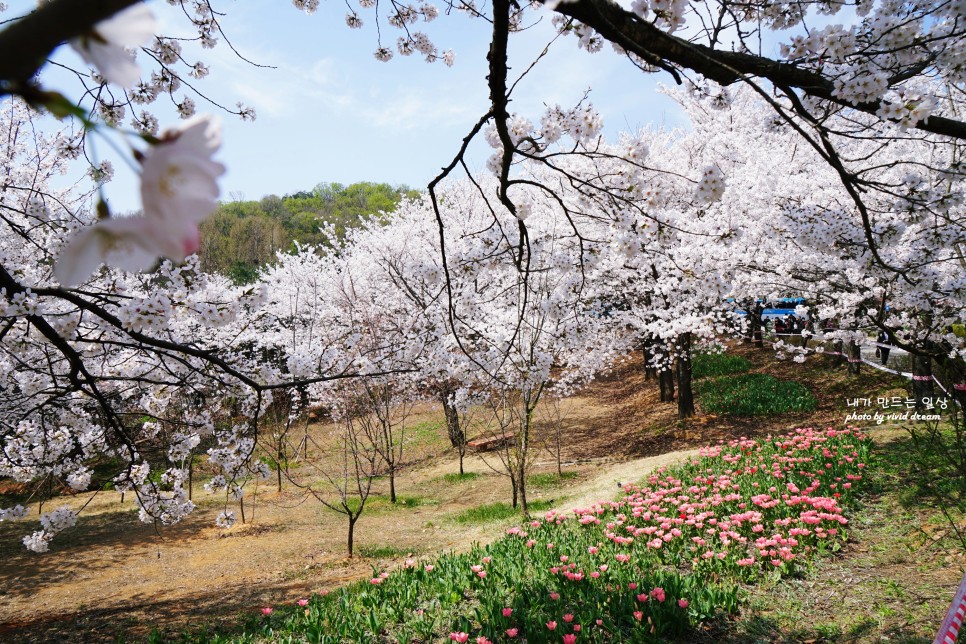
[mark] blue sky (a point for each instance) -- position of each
(329, 111)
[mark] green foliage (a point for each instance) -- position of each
(754, 394)
(456, 477)
(705, 365)
(497, 512)
(242, 236)
(550, 479)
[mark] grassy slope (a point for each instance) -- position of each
(894, 580)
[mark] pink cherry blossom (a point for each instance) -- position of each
(107, 47)
(178, 190)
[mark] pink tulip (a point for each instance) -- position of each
(569, 638)
(303, 602)
(459, 637)
(507, 612)
(512, 632)
(638, 615)
(568, 618)
(266, 611)
(683, 603)
(551, 626)
(554, 596)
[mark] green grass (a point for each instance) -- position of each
(456, 477)
(378, 503)
(383, 552)
(754, 394)
(865, 593)
(426, 433)
(497, 512)
(707, 365)
(928, 473)
(550, 479)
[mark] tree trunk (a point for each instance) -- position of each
(685, 395)
(392, 484)
(352, 529)
(523, 493)
(855, 358)
(840, 353)
(956, 373)
(666, 380)
(649, 370)
(513, 484)
(191, 471)
(756, 330)
(922, 387)
(457, 437)
(559, 438)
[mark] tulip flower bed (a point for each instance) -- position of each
(668, 555)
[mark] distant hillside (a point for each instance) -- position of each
(241, 236)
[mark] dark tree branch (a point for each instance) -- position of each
(27, 43)
(642, 38)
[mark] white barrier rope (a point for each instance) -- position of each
(904, 374)
(949, 631)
